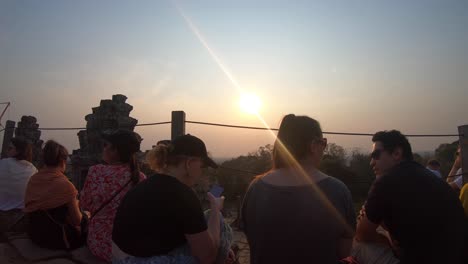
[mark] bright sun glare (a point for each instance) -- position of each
(250, 103)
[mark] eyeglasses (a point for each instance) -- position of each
(376, 154)
(321, 141)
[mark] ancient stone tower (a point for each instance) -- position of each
(27, 128)
(109, 115)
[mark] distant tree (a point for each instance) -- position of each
(333, 162)
(335, 152)
(421, 159)
(236, 174)
(418, 158)
(445, 154)
(337, 169)
(364, 176)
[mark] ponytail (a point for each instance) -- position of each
(127, 144)
(293, 140)
(280, 147)
(134, 169)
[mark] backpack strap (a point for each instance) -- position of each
(109, 200)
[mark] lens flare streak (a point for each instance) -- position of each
(202, 40)
(293, 162)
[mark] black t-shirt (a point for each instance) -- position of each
(422, 213)
(154, 217)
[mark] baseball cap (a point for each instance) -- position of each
(189, 145)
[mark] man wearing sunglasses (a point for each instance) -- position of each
(423, 216)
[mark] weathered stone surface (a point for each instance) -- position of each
(7, 136)
(29, 129)
(28, 250)
(83, 255)
(8, 255)
(109, 115)
(56, 261)
(15, 235)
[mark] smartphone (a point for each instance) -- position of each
(216, 190)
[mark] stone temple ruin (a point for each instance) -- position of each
(109, 115)
(27, 128)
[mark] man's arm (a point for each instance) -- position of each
(366, 230)
(451, 178)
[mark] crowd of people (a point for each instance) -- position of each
(294, 213)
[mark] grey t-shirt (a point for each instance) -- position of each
(297, 224)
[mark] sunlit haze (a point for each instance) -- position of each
(359, 66)
(250, 103)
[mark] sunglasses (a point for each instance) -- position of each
(376, 154)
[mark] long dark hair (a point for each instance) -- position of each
(295, 135)
(127, 144)
(23, 149)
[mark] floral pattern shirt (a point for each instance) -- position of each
(102, 182)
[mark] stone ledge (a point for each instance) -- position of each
(84, 255)
(16, 235)
(9, 255)
(28, 250)
(56, 261)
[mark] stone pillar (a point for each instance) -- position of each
(178, 124)
(7, 136)
(463, 131)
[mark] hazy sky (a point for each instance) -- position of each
(356, 66)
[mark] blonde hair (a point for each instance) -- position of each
(159, 158)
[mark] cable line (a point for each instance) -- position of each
(324, 132)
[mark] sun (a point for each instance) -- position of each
(250, 103)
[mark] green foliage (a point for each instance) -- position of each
(335, 152)
(418, 158)
(364, 176)
(236, 174)
(445, 154)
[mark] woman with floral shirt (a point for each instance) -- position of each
(106, 185)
